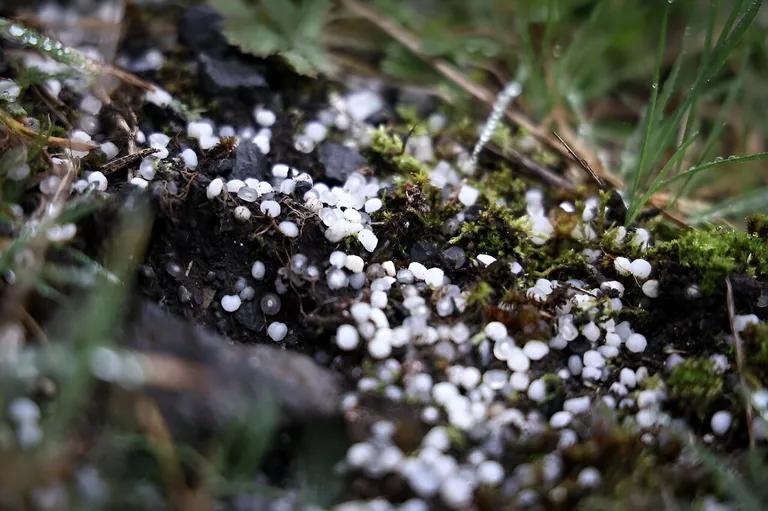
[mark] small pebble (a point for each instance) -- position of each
(354, 263)
(214, 188)
(189, 157)
(347, 337)
(721, 422)
(230, 303)
(277, 331)
(242, 214)
(289, 229)
(636, 343)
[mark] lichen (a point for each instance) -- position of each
(695, 383)
(717, 253)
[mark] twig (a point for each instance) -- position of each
(581, 161)
(25, 131)
(124, 161)
(533, 167)
(740, 361)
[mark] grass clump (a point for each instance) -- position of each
(718, 252)
(695, 383)
(756, 359)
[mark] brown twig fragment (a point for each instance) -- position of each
(28, 132)
(125, 161)
(739, 361)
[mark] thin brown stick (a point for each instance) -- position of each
(739, 361)
(25, 131)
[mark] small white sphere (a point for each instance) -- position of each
(258, 270)
(640, 268)
(627, 378)
(280, 170)
(338, 259)
(490, 472)
(434, 277)
(354, 263)
(636, 343)
(230, 303)
(99, 179)
(495, 330)
(289, 229)
(379, 299)
(651, 288)
(373, 205)
(379, 348)
(591, 331)
(109, 149)
(242, 214)
(367, 239)
(622, 265)
(721, 422)
(517, 360)
(214, 188)
(468, 195)
(535, 350)
(270, 208)
(347, 337)
(560, 419)
(593, 358)
(190, 158)
(264, 117)
(537, 391)
(277, 331)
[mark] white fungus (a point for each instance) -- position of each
(230, 303)
(277, 331)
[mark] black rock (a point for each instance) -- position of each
(249, 162)
(339, 160)
(200, 30)
(454, 257)
(249, 315)
(423, 251)
(202, 381)
(302, 187)
(230, 73)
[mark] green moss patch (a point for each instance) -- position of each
(696, 384)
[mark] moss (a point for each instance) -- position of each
(756, 356)
(696, 384)
(496, 231)
(390, 149)
(717, 253)
(481, 294)
(503, 185)
(758, 225)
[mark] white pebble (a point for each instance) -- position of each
(636, 343)
(280, 170)
(140, 182)
(560, 419)
(234, 185)
(537, 391)
(242, 214)
(354, 263)
(627, 378)
(258, 270)
(535, 350)
(347, 337)
(373, 205)
(517, 360)
(495, 330)
(379, 348)
(190, 158)
(270, 208)
(591, 331)
(468, 195)
(367, 239)
(640, 268)
(277, 331)
(577, 405)
(486, 259)
(434, 277)
(622, 265)
(490, 472)
(264, 117)
(230, 303)
(721, 422)
(338, 259)
(593, 358)
(99, 179)
(289, 229)
(214, 188)
(109, 149)
(651, 288)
